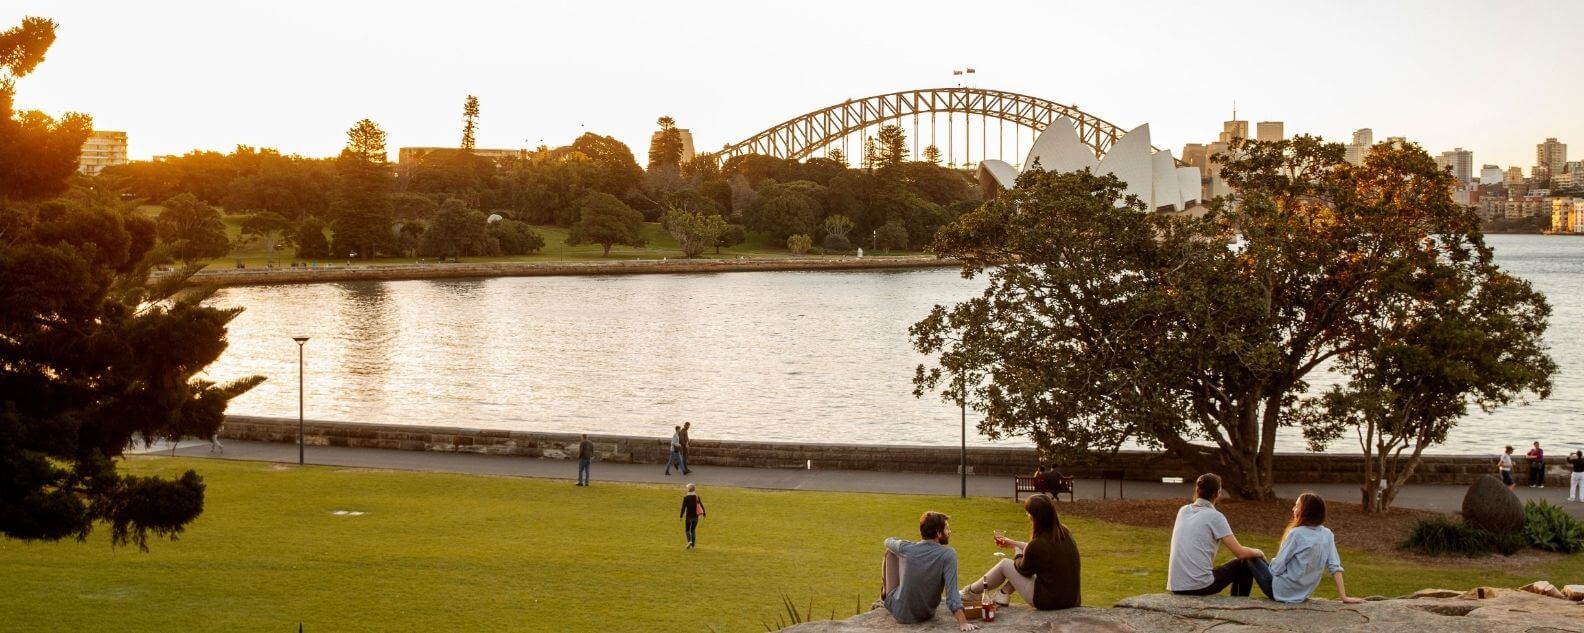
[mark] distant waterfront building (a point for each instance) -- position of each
(409, 157)
(1513, 176)
(1551, 155)
(1363, 138)
(1268, 131)
(101, 150)
(1461, 162)
(1233, 130)
(1152, 176)
(1490, 175)
(1567, 215)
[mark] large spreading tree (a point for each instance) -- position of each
(1103, 324)
(91, 356)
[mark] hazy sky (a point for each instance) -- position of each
(1492, 77)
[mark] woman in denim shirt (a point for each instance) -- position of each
(1308, 551)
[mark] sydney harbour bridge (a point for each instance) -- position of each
(976, 126)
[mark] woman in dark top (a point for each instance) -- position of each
(1045, 569)
(692, 509)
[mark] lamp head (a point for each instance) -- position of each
(300, 339)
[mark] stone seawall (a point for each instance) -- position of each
(1301, 468)
(396, 272)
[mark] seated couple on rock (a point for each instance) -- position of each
(1044, 570)
(1308, 550)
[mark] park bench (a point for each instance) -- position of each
(1053, 485)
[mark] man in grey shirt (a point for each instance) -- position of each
(1197, 536)
(585, 455)
(915, 574)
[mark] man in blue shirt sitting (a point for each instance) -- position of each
(915, 574)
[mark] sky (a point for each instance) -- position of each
(1492, 77)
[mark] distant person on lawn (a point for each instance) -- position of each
(1308, 552)
(692, 510)
(1576, 486)
(1536, 467)
(676, 453)
(1504, 466)
(585, 455)
(914, 574)
(684, 438)
(1044, 570)
(1199, 532)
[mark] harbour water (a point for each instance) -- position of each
(778, 356)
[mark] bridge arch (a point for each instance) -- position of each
(801, 136)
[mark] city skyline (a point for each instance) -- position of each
(178, 76)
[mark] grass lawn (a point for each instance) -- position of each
(439, 552)
(659, 245)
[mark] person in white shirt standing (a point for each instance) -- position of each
(1504, 466)
(1198, 534)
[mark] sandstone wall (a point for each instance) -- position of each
(1137, 465)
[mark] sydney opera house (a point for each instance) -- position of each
(1153, 176)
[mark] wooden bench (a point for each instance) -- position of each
(1025, 483)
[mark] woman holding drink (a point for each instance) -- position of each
(1043, 570)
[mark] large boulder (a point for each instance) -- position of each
(1490, 506)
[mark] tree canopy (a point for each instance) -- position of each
(606, 221)
(1103, 324)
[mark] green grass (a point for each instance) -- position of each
(440, 552)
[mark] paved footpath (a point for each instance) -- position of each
(1427, 497)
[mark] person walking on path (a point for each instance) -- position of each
(1045, 570)
(1576, 486)
(692, 511)
(585, 455)
(914, 574)
(1536, 467)
(1199, 532)
(684, 437)
(1504, 467)
(1308, 550)
(676, 453)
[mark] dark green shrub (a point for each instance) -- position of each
(1551, 528)
(1441, 536)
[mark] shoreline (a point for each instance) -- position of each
(404, 272)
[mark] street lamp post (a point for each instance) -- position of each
(962, 466)
(300, 340)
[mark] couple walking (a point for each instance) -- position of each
(679, 450)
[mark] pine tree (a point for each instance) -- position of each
(665, 151)
(892, 148)
(932, 154)
(470, 114)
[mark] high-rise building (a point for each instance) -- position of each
(1461, 162)
(101, 150)
(1513, 176)
(1233, 130)
(1490, 175)
(1267, 131)
(1551, 155)
(1363, 138)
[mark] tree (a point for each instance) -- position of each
(362, 206)
(784, 210)
(871, 154)
(94, 355)
(516, 238)
(1100, 326)
(457, 231)
(470, 114)
(836, 229)
(733, 235)
(191, 230)
(837, 156)
(665, 151)
(932, 155)
(692, 230)
(266, 227)
(799, 244)
(606, 221)
(310, 238)
(891, 147)
(891, 235)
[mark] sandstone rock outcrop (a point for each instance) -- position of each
(1503, 611)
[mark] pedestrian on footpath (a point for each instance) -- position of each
(1576, 486)
(1504, 466)
(585, 455)
(692, 511)
(676, 453)
(1536, 467)
(684, 437)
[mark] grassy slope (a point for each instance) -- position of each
(452, 552)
